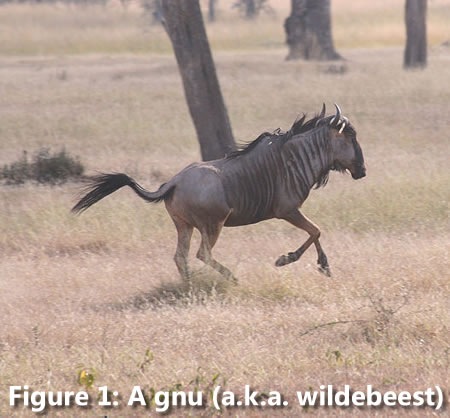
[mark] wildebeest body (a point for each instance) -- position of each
(270, 178)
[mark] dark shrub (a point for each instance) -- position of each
(44, 167)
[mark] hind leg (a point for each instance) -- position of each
(210, 234)
(184, 240)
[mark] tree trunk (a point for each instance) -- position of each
(308, 31)
(416, 34)
(250, 9)
(184, 24)
(212, 10)
(157, 11)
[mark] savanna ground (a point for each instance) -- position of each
(100, 292)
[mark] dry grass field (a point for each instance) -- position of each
(100, 292)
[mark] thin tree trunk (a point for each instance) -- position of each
(184, 24)
(308, 31)
(250, 9)
(157, 11)
(416, 34)
(212, 10)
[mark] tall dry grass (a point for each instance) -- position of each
(101, 293)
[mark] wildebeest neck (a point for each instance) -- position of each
(276, 175)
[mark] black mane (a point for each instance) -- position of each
(245, 148)
(298, 127)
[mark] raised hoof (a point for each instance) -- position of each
(325, 270)
(286, 259)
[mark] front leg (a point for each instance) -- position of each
(322, 260)
(297, 219)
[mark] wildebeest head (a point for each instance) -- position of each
(347, 153)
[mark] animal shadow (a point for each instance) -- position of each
(203, 287)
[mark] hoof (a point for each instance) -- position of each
(282, 261)
(286, 259)
(234, 281)
(325, 270)
(229, 276)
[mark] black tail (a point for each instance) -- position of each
(104, 184)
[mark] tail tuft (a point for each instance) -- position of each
(99, 187)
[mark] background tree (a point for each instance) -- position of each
(153, 9)
(250, 9)
(184, 24)
(416, 34)
(308, 31)
(211, 10)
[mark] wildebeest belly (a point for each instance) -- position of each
(248, 215)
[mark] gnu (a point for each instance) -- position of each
(271, 177)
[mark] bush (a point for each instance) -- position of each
(44, 167)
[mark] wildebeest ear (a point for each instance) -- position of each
(344, 121)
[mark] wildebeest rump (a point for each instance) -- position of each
(270, 178)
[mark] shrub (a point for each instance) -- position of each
(44, 167)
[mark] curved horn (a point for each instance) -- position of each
(322, 113)
(337, 118)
